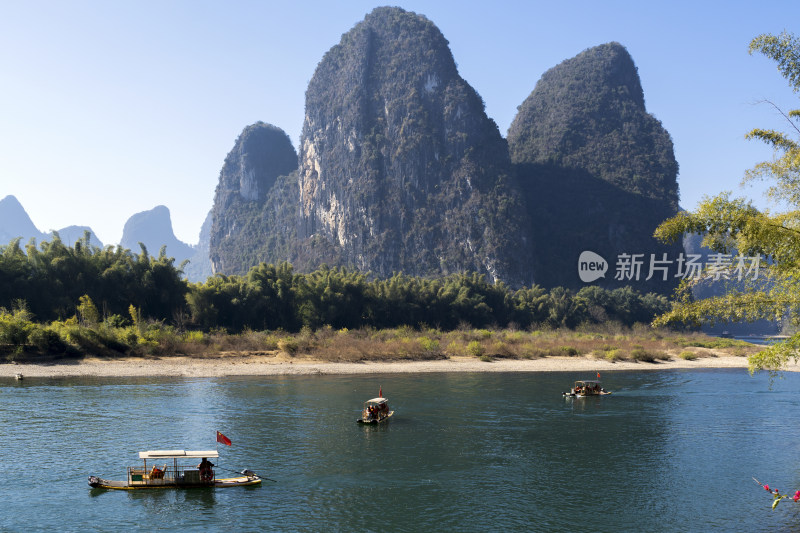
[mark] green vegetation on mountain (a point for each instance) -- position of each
(598, 172)
(255, 205)
(589, 113)
(259, 231)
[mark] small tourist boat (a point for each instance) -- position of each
(375, 410)
(588, 387)
(169, 469)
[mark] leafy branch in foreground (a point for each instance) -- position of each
(776, 494)
(734, 224)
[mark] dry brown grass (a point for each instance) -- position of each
(612, 343)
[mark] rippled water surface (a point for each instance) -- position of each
(668, 451)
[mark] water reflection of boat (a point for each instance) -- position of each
(585, 388)
(375, 410)
(171, 474)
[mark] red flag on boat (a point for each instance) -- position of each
(223, 439)
(380, 392)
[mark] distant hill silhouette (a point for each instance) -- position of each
(71, 234)
(15, 223)
(153, 228)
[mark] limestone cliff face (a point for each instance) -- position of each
(598, 171)
(400, 168)
(240, 235)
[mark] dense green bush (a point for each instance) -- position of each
(47, 341)
(15, 326)
(475, 349)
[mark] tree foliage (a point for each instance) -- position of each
(53, 278)
(100, 287)
(275, 297)
(735, 224)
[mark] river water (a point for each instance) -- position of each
(667, 451)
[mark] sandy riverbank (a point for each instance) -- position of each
(259, 365)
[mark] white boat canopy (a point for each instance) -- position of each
(177, 454)
(377, 400)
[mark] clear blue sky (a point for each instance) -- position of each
(109, 108)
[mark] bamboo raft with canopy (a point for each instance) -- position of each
(175, 469)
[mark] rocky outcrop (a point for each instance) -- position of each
(253, 213)
(400, 168)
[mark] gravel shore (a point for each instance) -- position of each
(259, 365)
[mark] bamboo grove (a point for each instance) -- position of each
(55, 282)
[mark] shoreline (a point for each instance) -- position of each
(253, 365)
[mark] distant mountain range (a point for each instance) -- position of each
(152, 228)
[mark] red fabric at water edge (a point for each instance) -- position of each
(223, 439)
